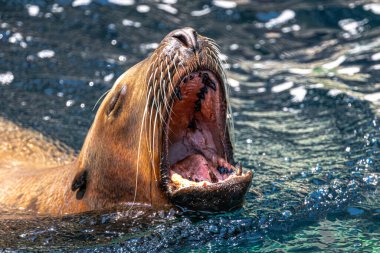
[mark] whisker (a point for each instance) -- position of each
(138, 152)
(100, 98)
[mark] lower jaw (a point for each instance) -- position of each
(216, 197)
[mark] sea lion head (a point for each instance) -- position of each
(163, 133)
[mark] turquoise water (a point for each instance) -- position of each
(305, 87)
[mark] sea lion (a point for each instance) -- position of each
(160, 137)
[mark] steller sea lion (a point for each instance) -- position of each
(161, 137)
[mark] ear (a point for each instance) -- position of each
(79, 183)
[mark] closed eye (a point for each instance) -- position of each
(116, 101)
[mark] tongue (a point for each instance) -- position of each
(195, 168)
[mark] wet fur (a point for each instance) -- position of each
(120, 158)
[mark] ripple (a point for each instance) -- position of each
(305, 96)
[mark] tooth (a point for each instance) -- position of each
(178, 180)
(239, 168)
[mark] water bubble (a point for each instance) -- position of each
(197, 13)
(122, 2)
(348, 149)
(167, 8)
(127, 22)
(109, 77)
(371, 179)
(296, 27)
(316, 169)
(15, 38)
(335, 63)
(298, 94)
(286, 214)
(122, 58)
(56, 8)
(6, 78)
(375, 57)
(143, 8)
(80, 3)
(70, 102)
(23, 44)
(249, 141)
(169, 1)
(374, 7)
(234, 47)
(213, 229)
(233, 83)
(46, 53)
(284, 17)
(349, 71)
(282, 87)
(33, 10)
(46, 118)
(224, 4)
(352, 26)
(261, 90)
(148, 46)
(300, 71)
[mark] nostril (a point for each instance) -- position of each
(188, 38)
(182, 39)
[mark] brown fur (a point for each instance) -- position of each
(104, 173)
(108, 155)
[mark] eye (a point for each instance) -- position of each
(116, 101)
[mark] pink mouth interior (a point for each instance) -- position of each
(197, 127)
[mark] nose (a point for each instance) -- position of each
(187, 36)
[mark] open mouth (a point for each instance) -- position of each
(197, 152)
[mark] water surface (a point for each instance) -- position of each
(305, 92)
